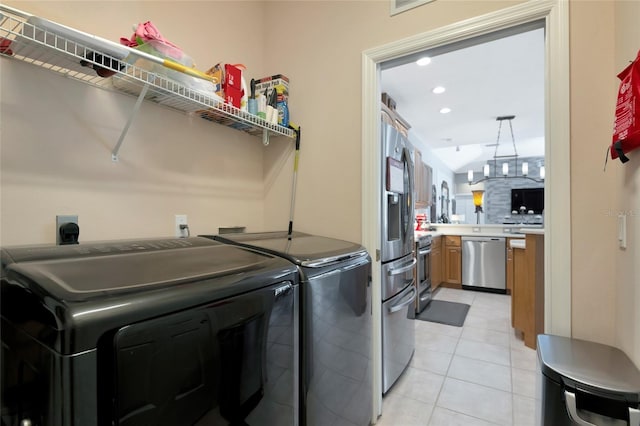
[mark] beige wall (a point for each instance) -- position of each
(627, 183)
(55, 156)
(593, 229)
(57, 136)
(606, 279)
(320, 47)
(327, 89)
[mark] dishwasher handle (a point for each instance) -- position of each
(483, 239)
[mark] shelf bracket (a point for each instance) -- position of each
(136, 108)
(265, 137)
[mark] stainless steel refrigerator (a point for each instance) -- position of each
(398, 263)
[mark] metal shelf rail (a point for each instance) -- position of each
(24, 41)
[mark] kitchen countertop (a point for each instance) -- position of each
(471, 234)
(518, 244)
(481, 231)
(533, 231)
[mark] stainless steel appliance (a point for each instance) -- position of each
(484, 264)
(398, 262)
(151, 332)
(585, 383)
(423, 272)
(336, 386)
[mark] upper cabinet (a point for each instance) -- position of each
(423, 179)
(106, 64)
(422, 173)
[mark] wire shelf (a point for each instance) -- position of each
(30, 43)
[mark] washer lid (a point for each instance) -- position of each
(96, 269)
(598, 366)
(302, 249)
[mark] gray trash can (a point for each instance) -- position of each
(586, 383)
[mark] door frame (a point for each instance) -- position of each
(555, 14)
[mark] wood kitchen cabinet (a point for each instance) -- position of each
(527, 297)
(436, 262)
(422, 175)
(453, 261)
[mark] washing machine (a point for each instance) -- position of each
(148, 332)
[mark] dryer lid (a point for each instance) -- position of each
(302, 249)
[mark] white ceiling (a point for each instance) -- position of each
(495, 78)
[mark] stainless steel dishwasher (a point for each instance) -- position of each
(484, 264)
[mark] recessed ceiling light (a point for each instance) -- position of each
(423, 61)
(438, 90)
(445, 110)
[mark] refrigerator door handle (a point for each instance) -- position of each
(412, 298)
(404, 269)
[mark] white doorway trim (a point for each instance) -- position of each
(555, 13)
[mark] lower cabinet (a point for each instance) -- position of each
(452, 260)
(436, 262)
(527, 294)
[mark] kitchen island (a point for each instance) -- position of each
(446, 249)
(524, 268)
(527, 298)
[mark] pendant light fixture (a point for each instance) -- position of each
(524, 170)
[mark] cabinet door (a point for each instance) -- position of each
(428, 182)
(436, 263)
(453, 265)
(422, 201)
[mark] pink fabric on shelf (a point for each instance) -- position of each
(146, 32)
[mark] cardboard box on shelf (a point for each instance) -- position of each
(233, 96)
(232, 77)
(268, 83)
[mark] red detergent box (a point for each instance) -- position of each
(232, 77)
(233, 96)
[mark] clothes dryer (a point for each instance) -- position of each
(336, 363)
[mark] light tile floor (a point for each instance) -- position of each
(479, 374)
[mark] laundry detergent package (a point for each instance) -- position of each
(269, 84)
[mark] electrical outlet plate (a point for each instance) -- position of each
(181, 219)
(61, 219)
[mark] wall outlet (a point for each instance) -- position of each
(181, 219)
(476, 229)
(61, 220)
